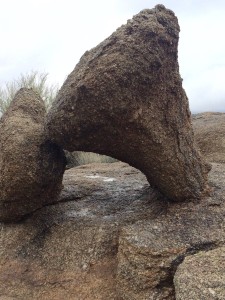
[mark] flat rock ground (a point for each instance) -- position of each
(109, 236)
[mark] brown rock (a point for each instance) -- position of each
(202, 276)
(31, 166)
(209, 129)
(68, 250)
(108, 227)
(151, 250)
(125, 99)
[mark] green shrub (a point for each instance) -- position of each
(33, 80)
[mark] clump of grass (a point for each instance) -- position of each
(33, 80)
(38, 82)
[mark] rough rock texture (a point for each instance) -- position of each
(202, 276)
(150, 250)
(209, 129)
(68, 250)
(125, 99)
(89, 244)
(31, 167)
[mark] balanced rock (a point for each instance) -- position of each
(209, 129)
(31, 167)
(202, 276)
(125, 99)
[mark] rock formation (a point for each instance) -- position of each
(209, 129)
(109, 236)
(125, 99)
(31, 167)
(202, 276)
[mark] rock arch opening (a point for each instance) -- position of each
(124, 99)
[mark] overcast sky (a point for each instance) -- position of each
(51, 36)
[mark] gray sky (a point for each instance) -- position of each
(51, 36)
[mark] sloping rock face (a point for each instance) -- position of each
(109, 236)
(209, 129)
(125, 99)
(31, 167)
(68, 250)
(202, 276)
(150, 251)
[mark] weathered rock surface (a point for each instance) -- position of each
(109, 236)
(68, 250)
(31, 167)
(150, 251)
(202, 276)
(209, 129)
(125, 99)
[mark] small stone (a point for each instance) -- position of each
(201, 276)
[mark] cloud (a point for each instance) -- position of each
(202, 60)
(52, 35)
(206, 90)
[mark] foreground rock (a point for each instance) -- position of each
(209, 129)
(202, 276)
(110, 236)
(150, 251)
(31, 167)
(125, 99)
(68, 250)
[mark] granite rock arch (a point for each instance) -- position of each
(125, 99)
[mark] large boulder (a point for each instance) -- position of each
(109, 236)
(31, 167)
(209, 130)
(125, 99)
(201, 276)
